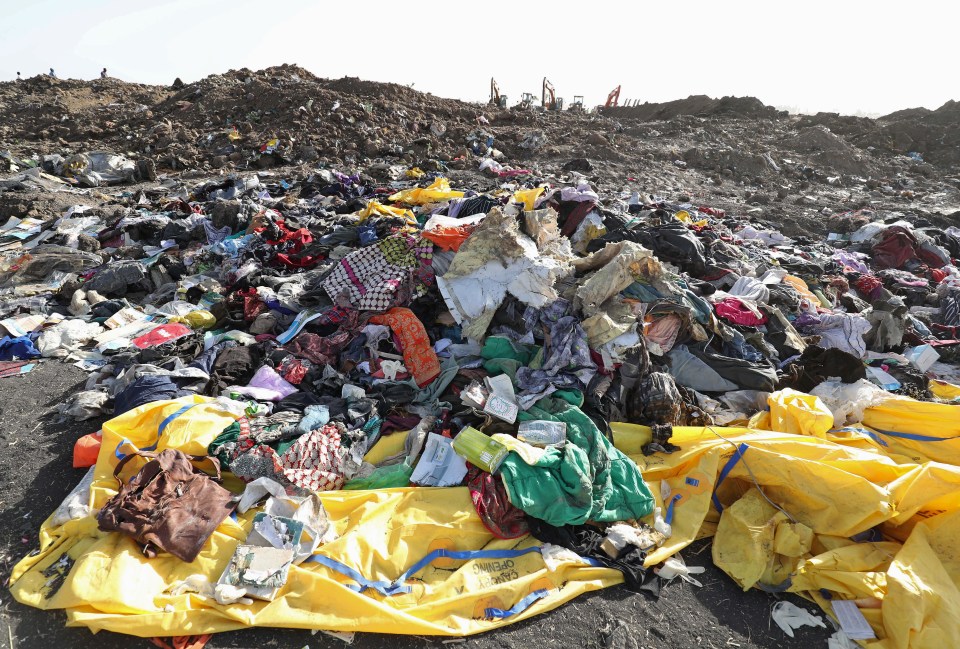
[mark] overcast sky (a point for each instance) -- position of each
(840, 55)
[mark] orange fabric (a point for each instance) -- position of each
(418, 355)
(449, 238)
(86, 450)
(184, 642)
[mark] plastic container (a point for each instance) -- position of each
(479, 449)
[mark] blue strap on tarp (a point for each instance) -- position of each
(668, 519)
(163, 424)
(399, 586)
(915, 437)
(732, 462)
(382, 587)
(519, 607)
(464, 555)
(861, 431)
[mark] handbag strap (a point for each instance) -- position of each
(208, 458)
(192, 458)
(126, 458)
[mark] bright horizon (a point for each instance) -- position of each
(819, 56)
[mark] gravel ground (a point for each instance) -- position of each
(36, 473)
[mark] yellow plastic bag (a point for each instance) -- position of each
(375, 208)
(199, 319)
(799, 413)
(439, 190)
(757, 543)
(528, 197)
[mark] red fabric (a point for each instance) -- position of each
(252, 304)
(598, 361)
(734, 310)
(937, 275)
(293, 370)
(896, 248)
(712, 211)
(496, 512)
(867, 284)
(418, 355)
(449, 238)
(576, 217)
(162, 334)
(293, 243)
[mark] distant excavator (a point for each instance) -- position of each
(613, 99)
(548, 97)
(496, 99)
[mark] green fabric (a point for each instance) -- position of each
(385, 477)
(500, 347)
(571, 395)
(224, 448)
(503, 366)
(587, 480)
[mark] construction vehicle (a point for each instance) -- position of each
(613, 99)
(527, 99)
(577, 105)
(496, 99)
(548, 97)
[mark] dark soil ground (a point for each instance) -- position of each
(36, 473)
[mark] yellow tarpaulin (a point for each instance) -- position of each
(857, 513)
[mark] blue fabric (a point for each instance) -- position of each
(19, 348)
(147, 388)
(367, 233)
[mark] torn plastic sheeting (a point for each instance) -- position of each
(620, 264)
(99, 168)
(495, 260)
(528, 197)
(849, 401)
(751, 538)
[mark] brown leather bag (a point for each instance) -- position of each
(169, 505)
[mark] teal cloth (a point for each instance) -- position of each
(500, 347)
(587, 480)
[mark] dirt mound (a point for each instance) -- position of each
(827, 149)
(42, 110)
(699, 106)
(933, 134)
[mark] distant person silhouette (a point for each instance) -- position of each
(52, 73)
(103, 73)
(18, 77)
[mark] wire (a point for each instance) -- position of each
(753, 477)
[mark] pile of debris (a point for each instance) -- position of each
(529, 336)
